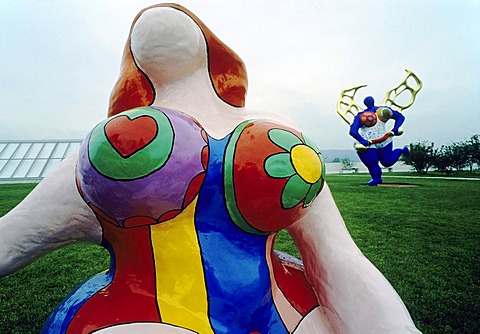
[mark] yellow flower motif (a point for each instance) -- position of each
(301, 164)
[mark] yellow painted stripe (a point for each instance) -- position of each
(181, 289)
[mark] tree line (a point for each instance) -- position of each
(446, 159)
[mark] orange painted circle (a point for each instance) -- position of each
(255, 198)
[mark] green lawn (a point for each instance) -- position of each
(424, 239)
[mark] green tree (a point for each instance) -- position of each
(347, 163)
(421, 157)
(445, 160)
(473, 151)
(459, 155)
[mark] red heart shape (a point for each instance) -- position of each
(128, 136)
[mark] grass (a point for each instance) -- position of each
(28, 296)
(424, 239)
(434, 173)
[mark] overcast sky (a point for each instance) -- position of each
(60, 59)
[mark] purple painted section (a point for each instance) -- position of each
(157, 193)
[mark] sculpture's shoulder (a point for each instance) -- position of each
(273, 173)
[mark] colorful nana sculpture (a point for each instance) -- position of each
(187, 189)
(374, 143)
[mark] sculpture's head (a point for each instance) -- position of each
(369, 102)
(168, 43)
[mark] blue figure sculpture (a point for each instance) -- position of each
(368, 127)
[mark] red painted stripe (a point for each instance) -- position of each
(131, 295)
(291, 280)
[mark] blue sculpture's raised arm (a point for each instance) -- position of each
(399, 119)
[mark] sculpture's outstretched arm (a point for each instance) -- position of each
(354, 294)
(51, 216)
(354, 128)
(399, 119)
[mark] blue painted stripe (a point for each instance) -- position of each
(62, 316)
(236, 272)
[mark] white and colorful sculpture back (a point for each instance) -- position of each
(187, 189)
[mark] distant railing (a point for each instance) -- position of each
(338, 168)
(31, 160)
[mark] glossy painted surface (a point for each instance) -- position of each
(144, 186)
(263, 176)
(201, 269)
(226, 70)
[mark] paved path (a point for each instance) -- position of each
(435, 177)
